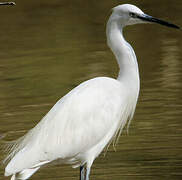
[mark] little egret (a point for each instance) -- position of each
(7, 3)
(89, 117)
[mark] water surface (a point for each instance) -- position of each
(49, 47)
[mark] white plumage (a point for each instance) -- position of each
(77, 128)
(89, 117)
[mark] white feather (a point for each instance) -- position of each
(13, 177)
(26, 173)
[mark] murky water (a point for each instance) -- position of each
(49, 47)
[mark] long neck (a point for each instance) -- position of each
(124, 53)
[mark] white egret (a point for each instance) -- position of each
(89, 117)
(7, 3)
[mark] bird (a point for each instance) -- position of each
(7, 3)
(89, 117)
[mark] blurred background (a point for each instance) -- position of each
(49, 47)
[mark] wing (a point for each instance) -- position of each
(75, 124)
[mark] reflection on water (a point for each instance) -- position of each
(170, 63)
(47, 48)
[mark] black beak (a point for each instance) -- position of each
(148, 18)
(7, 3)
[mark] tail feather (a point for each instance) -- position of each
(25, 174)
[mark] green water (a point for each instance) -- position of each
(49, 47)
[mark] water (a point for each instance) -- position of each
(47, 48)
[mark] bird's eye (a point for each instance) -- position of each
(133, 15)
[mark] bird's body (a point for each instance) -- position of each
(78, 126)
(82, 123)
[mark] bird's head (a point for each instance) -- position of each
(128, 14)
